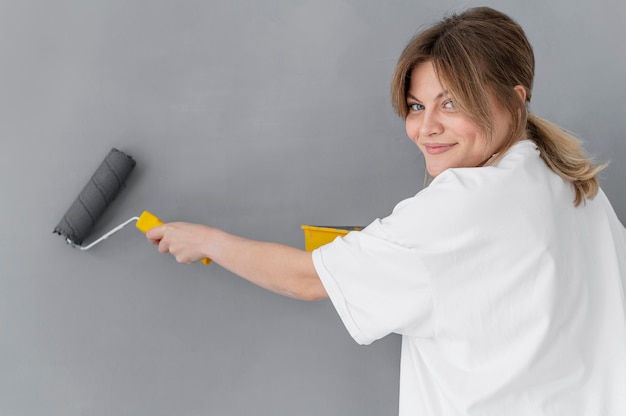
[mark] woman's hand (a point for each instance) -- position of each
(186, 242)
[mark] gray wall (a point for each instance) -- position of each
(253, 116)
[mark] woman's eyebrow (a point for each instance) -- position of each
(442, 94)
(409, 95)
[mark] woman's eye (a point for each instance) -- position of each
(449, 104)
(415, 107)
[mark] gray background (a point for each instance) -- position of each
(253, 116)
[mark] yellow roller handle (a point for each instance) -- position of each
(148, 220)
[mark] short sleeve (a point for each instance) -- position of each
(377, 285)
(389, 277)
(408, 272)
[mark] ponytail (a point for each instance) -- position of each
(564, 154)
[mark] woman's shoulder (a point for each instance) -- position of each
(521, 167)
(480, 198)
(519, 161)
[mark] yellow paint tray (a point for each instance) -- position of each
(316, 236)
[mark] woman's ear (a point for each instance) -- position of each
(521, 91)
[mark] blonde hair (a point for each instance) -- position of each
(483, 53)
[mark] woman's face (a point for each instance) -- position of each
(446, 137)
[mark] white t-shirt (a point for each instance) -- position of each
(510, 300)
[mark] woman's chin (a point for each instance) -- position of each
(434, 171)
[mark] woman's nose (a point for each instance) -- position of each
(431, 124)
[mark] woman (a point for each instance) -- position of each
(504, 276)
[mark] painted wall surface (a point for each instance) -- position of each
(252, 116)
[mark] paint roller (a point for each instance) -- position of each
(104, 185)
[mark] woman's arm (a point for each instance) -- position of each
(276, 267)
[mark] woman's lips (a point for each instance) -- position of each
(438, 148)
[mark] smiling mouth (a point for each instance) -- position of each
(436, 148)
